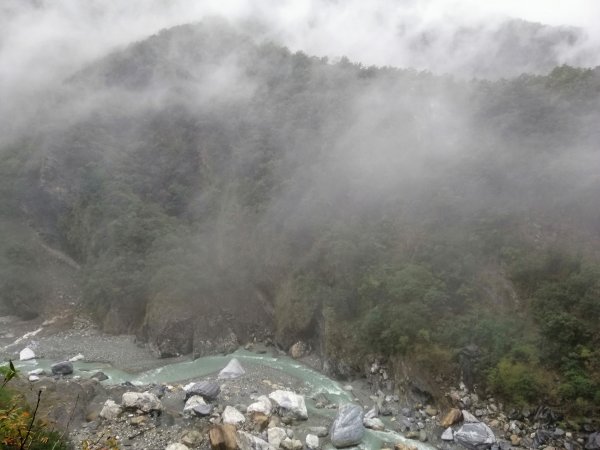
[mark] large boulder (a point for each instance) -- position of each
(110, 410)
(247, 441)
(26, 354)
(262, 405)
(144, 401)
(223, 437)
(290, 404)
(475, 436)
(232, 370)
(62, 368)
(205, 389)
(232, 416)
(347, 428)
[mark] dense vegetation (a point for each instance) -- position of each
(368, 210)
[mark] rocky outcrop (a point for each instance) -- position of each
(347, 428)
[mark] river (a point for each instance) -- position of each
(314, 381)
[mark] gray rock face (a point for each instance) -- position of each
(475, 436)
(290, 404)
(347, 428)
(232, 370)
(110, 410)
(205, 389)
(143, 401)
(62, 368)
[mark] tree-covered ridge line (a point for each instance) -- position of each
(201, 178)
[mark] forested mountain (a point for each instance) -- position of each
(213, 187)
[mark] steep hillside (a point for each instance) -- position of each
(214, 188)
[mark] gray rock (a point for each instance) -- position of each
(291, 444)
(143, 401)
(448, 434)
(290, 404)
(26, 354)
(232, 416)
(261, 405)
(371, 414)
(110, 410)
(197, 406)
(373, 423)
(275, 436)
(468, 417)
(593, 441)
(246, 441)
(319, 431)
(475, 436)
(205, 389)
(100, 376)
(347, 428)
(312, 442)
(177, 447)
(62, 368)
(232, 370)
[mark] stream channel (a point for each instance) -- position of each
(209, 365)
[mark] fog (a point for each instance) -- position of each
(42, 42)
(206, 163)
